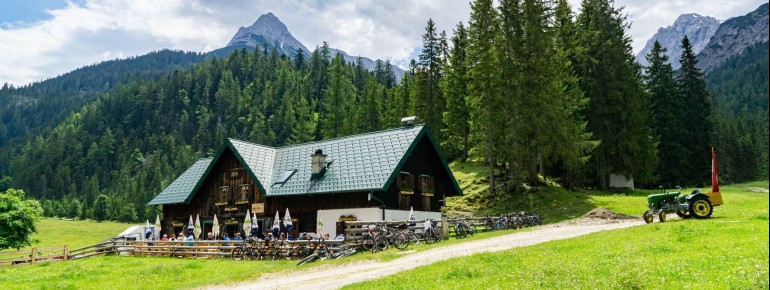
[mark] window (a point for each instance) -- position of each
(284, 177)
(224, 190)
(405, 190)
(244, 191)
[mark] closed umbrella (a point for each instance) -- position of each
(247, 224)
(287, 222)
(215, 226)
(197, 230)
(157, 226)
(319, 225)
(411, 215)
(276, 225)
(254, 225)
(190, 227)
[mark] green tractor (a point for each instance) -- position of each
(696, 204)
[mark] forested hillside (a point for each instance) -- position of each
(526, 87)
(30, 107)
(739, 89)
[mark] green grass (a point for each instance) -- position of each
(55, 233)
(727, 251)
(115, 272)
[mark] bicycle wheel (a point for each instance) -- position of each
(302, 252)
(249, 254)
(460, 232)
(308, 259)
(400, 241)
(367, 242)
(414, 239)
(380, 244)
(472, 229)
(237, 254)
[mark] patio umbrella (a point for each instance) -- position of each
(319, 225)
(254, 225)
(197, 230)
(411, 215)
(215, 226)
(287, 222)
(148, 233)
(247, 224)
(157, 226)
(276, 225)
(190, 227)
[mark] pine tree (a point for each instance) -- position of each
(457, 115)
(618, 110)
(697, 116)
(484, 99)
(667, 110)
(101, 208)
(429, 102)
(336, 102)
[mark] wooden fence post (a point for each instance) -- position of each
(444, 227)
(66, 253)
(34, 254)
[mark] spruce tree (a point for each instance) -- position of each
(483, 100)
(457, 116)
(697, 116)
(336, 102)
(429, 102)
(618, 111)
(668, 117)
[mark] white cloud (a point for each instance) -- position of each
(79, 35)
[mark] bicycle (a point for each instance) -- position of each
(246, 251)
(322, 252)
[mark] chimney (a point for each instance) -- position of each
(318, 161)
(409, 121)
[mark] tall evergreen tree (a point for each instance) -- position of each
(618, 112)
(457, 115)
(337, 98)
(484, 100)
(667, 111)
(697, 115)
(429, 102)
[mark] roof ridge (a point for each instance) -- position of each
(252, 143)
(347, 137)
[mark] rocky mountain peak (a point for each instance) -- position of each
(269, 30)
(733, 37)
(697, 28)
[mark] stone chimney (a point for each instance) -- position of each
(318, 161)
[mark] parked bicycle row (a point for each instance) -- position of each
(463, 227)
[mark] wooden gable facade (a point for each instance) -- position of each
(420, 180)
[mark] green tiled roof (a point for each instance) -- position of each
(365, 162)
(358, 163)
(182, 187)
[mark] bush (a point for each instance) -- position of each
(18, 219)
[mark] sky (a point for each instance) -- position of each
(45, 38)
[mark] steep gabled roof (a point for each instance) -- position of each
(365, 162)
(184, 185)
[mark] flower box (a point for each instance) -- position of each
(348, 218)
(242, 201)
(220, 202)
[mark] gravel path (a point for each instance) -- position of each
(332, 277)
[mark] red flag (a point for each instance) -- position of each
(714, 182)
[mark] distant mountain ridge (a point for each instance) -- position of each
(733, 37)
(269, 31)
(697, 28)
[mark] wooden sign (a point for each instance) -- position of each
(407, 192)
(258, 207)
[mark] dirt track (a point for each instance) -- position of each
(332, 277)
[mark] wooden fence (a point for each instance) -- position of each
(32, 256)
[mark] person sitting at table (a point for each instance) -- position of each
(165, 238)
(238, 237)
(173, 237)
(189, 238)
(226, 239)
(210, 236)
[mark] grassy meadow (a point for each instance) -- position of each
(730, 250)
(727, 251)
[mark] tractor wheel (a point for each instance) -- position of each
(700, 207)
(647, 216)
(662, 216)
(683, 214)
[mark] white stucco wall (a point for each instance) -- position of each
(331, 216)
